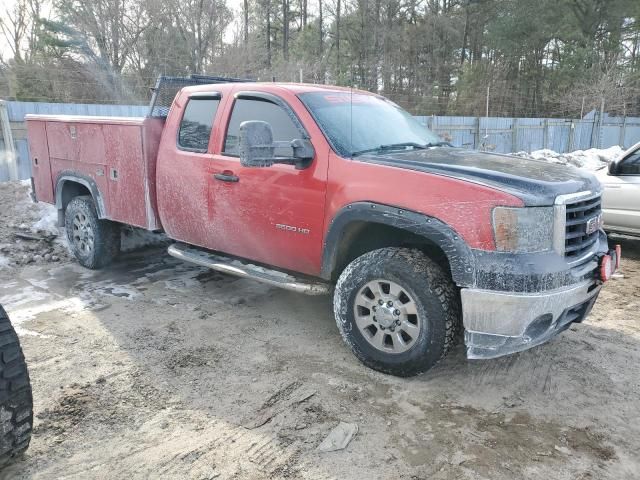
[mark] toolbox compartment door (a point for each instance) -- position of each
(40, 163)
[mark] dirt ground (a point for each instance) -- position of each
(154, 368)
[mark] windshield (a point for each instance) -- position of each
(357, 123)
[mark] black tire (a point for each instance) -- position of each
(104, 235)
(16, 402)
(435, 298)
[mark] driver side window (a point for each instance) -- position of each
(245, 109)
(630, 165)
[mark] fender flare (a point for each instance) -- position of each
(459, 255)
(92, 186)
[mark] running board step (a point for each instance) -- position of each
(247, 270)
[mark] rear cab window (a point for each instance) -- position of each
(196, 124)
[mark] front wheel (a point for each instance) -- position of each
(94, 242)
(398, 310)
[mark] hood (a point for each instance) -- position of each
(535, 182)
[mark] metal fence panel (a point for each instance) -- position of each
(503, 135)
(24, 159)
(506, 135)
(496, 134)
(4, 171)
(582, 134)
(528, 134)
(17, 110)
(558, 134)
(609, 135)
(631, 135)
(459, 131)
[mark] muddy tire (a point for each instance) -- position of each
(398, 310)
(16, 402)
(94, 242)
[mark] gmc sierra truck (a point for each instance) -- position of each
(319, 189)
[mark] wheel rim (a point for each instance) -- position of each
(387, 316)
(83, 237)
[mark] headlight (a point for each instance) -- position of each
(522, 230)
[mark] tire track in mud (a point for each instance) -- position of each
(232, 447)
(541, 372)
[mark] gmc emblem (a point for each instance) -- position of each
(594, 224)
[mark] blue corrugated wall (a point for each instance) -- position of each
(17, 110)
(507, 135)
(503, 135)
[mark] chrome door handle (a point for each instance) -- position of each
(226, 177)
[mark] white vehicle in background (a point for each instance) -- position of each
(621, 193)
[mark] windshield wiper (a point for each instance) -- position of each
(438, 144)
(390, 146)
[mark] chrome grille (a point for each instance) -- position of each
(579, 216)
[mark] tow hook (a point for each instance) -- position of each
(609, 263)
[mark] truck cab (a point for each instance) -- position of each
(324, 189)
(270, 215)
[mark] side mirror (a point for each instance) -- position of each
(613, 168)
(303, 152)
(256, 144)
(257, 148)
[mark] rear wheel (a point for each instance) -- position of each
(398, 310)
(94, 242)
(16, 402)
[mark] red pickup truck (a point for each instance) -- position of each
(316, 188)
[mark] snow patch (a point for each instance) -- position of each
(19, 316)
(24, 296)
(47, 213)
(90, 290)
(48, 221)
(591, 159)
(4, 262)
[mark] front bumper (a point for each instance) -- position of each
(518, 301)
(499, 323)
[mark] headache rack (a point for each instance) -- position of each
(167, 87)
